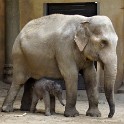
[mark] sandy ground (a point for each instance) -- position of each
(39, 117)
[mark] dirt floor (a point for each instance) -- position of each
(19, 117)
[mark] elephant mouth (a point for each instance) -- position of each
(101, 64)
(93, 58)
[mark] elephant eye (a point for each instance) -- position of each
(103, 43)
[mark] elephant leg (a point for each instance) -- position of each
(18, 81)
(71, 96)
(52, 104)
(70, 75)
(34, 103)
(11, 95)
(91, 86)
(69, 71)
(27, 95)
(46, 98)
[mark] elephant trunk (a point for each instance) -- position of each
(60, 99)
(110, 71)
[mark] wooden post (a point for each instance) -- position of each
(12, 30)
(2, 37)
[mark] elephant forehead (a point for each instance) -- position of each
(102, 26)
(100, 20)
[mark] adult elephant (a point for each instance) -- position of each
(59, 46)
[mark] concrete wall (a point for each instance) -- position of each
(2, 37)
(114, 9)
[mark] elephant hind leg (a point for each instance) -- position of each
(18, 80)
(52, 104)
(27, 95)
(46, 98)
(34, 103)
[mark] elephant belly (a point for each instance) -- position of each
(46, 73)
(44, 68)
(40, 59)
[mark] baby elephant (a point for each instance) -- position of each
(46, 89)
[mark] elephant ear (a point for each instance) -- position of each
(81, 36)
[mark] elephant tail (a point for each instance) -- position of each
(17, 50)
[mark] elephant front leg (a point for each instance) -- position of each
(71, 78)
(91, 90)
(71, 97)
(69, 71)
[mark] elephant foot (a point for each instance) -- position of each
(25, 108)
(7, 108)
(52, 112)
(47, 113)
(32, 110)
(71, 112)
(93, 112)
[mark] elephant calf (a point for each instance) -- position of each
(46, 89)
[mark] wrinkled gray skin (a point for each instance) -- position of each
(47, 90)
(60, 46)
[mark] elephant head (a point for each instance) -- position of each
(97, 40)
(58, 93)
